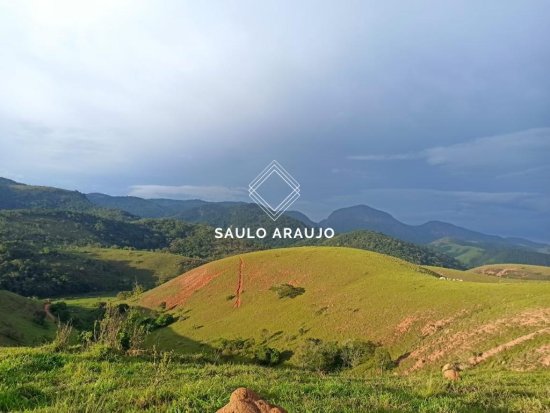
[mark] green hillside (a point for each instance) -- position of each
(514, 271)
(14, 195)
(347, 293)
(377, 242)
(47, 272)
(477, 254)
(50, 227)
(22, 321)
(469, 275)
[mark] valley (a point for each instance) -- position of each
(131, 295)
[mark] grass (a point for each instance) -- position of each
(146, 267)
(349, 294)
(468, 275)
(515, 271)
(37, 380)
(16, 321)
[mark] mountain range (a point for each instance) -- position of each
(470, 247)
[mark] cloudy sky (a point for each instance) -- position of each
(427, 109)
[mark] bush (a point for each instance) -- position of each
(266, 356)
(164, 320)
(357, 352)
(60, 310)
(381, 359)
(247, 348)
(317, 355)
(287, 290)
(86, 337)
(62, 337)
(124, 295)
(236, 347)
(39, 317)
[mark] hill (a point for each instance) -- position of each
(342, 294)
(50, 271)
(383, 244)
(15, 195)
(365, 217)
(38, 255)
(55, 228)
(515, 271)
(194, 210)
(22, 321)
(473, 254)
(145, 208)
(470, 248)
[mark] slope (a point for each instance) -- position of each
(15, 195)
(348, 294)
(364, 217)
(377, 242)
(51, 271)
(473, 254)
(22, 321)
(514, 271)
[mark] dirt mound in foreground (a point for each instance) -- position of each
(244, 400)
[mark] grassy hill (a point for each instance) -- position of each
(347, 293)
(514, 271)
(19, 321)
(15, 195)
(377, 242)
(475, 254)
(47, 272)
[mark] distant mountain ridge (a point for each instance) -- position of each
(470, 247)
(15, 195)
(365, 217)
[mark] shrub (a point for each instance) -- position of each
(39, 317)
(357, 352)
(287, 290)
(247, 348)
(164, 320)
(266, 356)
(62, 337)
(60, 310)
(86, 337)
(235, 347)
(314, 354)
(381, 359)
(124, 295)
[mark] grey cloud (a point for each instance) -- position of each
(207, 193)
(509, 151)
(98, 96)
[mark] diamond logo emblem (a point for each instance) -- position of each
(274, 173)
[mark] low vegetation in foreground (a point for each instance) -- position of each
(93, 380)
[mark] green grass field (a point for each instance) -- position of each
(353, 294)
(146, 267)
(41, 381)
(496, 328)
(515, 271)
(16, 321)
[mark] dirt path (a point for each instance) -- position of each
(239, 290)
(495, 350)
(48, 312)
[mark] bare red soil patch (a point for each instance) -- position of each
(448, 343)
(239, 290)
(495, 350)
(180, 289)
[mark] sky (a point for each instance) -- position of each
(428, 110)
